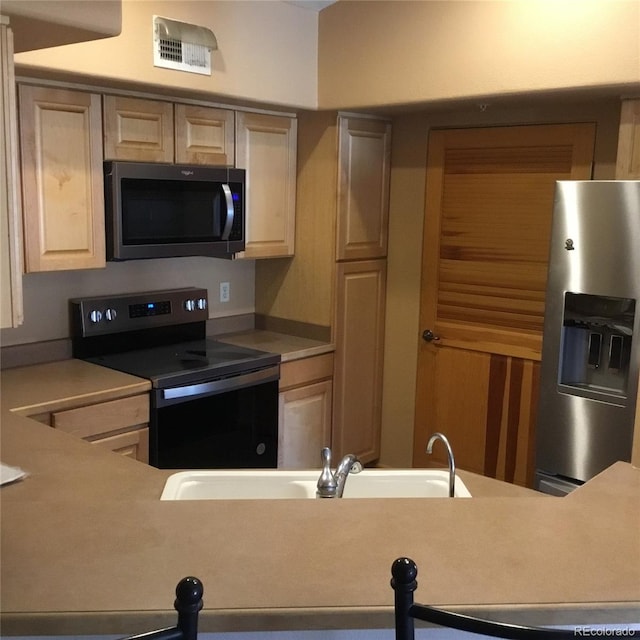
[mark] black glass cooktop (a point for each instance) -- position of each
(187, 362)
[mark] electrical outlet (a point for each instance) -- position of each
(225, 292)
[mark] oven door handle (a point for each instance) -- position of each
(214, 387)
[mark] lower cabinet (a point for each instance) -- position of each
(120, 425)
(304, 426)
(359, 339)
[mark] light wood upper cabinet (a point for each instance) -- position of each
(11, 314)
(266, 148)
(364, 158)
(204, 135)
(138, 130)
(628, 162)
(142, 130)
(62, 179)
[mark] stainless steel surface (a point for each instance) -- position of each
(591, 345)
(106, 315)
(332, 484)
(553, 485)
(222, 385)
(451, 460)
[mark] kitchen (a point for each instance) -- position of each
(610, 63)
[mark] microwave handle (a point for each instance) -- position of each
(228, 223)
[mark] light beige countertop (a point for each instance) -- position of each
(58, 385)
(88, 548)
(289, 347)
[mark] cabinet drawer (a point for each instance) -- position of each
(96, 419)
(306, 370)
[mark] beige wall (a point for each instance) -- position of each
(406, 222)
(406, 52)
(42, 23)
(46, 295)
(267, 51)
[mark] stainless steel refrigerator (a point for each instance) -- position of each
(591, 342)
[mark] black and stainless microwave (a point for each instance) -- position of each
(168, 210)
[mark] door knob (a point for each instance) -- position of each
(429, 336)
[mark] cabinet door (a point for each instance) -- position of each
(62, 179)
(266, 148)
(138, 130)
(359, 338)
(10, 237)
(364, 157)
(204, 135)
(131, 444)
(628, 162)
(304, 425)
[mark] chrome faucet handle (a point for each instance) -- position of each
(327, 484)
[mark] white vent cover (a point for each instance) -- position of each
(182, 46)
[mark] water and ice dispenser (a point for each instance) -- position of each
(597, 333)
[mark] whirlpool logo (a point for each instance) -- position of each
(184, 172)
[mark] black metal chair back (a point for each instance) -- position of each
(404, 572)
(188, 603)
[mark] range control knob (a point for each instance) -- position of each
(95, 316)
(110, 314)
(202, 304)
(189, 305)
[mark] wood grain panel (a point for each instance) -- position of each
(204, 135)
(363, 188)
(358, 358)
(628, 160)
(62, 179)
(137, 129)
(298, 372)
(305, 412)
(488, 210)
(98, 419)
(266, 148)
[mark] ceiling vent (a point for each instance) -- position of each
(182, 46)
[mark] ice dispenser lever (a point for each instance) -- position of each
(595, 349)
(615, 352)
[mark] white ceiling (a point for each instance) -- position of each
(314, 5)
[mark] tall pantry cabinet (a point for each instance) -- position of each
(337, 279)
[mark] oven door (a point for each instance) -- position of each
(229, 423)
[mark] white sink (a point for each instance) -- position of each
(255, 484)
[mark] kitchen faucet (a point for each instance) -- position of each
(452, 465)
(331, 484)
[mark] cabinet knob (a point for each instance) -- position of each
(429, 336)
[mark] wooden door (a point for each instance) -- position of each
(488, 209)
(138, 130)
(62, 179)
(304, 425)
(266, 148)
(204, 135)
(359, 338)
(364, 159)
